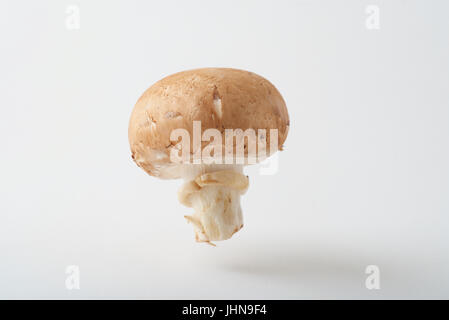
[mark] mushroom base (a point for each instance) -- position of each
(217, 213)
(215, 197)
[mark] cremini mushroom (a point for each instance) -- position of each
(204, 126)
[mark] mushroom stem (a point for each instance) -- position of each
(215, 197)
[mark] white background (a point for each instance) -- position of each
(363, 180)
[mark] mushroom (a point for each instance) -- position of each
(184, 127)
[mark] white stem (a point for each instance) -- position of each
(214, 194)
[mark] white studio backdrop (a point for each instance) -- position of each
(362, 188)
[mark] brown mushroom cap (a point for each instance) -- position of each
(245, 100)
